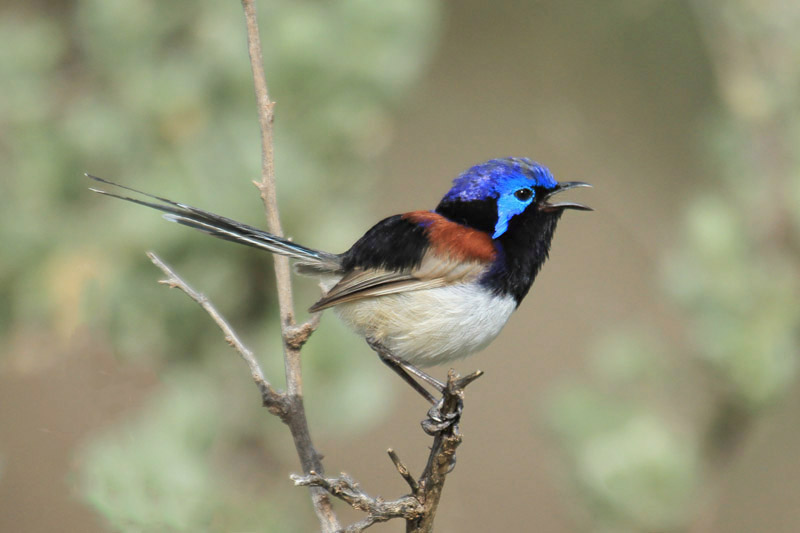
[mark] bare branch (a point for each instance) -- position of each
(403, 470)
(442, 458)
(271, 398)
(295, 417)
(266, 185)
(419, 508)
(377, 509)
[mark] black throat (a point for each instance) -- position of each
(522, 250)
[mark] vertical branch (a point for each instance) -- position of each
(293, 337)
(441, 459)
(267, 188)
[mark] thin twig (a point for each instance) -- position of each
(293, 339)
(270, 397)
(402, 469)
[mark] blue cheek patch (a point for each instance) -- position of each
(507, 208)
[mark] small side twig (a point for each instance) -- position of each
(402, 469)
(296, 336)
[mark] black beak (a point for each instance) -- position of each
(561, 187)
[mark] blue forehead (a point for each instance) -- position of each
(496, 176)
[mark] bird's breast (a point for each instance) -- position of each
(431, 326)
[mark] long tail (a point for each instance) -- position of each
(311, 261)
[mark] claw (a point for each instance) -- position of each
(438, 422)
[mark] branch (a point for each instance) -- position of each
(271, 398)
(293, 338)
(402, 469)
(419, 508)
(442, 458)
(377, 509)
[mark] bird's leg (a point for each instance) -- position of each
(436, 421)
(427, 378)
(404, 370)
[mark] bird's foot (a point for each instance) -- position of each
(439, 421)
(446, 413)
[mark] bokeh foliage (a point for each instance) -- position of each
(639, 464)
(158, 95)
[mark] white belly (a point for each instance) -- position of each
(432, 326)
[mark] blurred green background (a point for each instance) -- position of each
(646, 385)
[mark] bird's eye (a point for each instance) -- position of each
(523, 195)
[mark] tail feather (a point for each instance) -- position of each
(311, 261)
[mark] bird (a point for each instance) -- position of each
(424, 287)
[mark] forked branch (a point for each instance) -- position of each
(419, 508)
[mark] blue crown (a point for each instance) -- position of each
(496, 176)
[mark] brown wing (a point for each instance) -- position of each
(434, 271)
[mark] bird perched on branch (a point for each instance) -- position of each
(424, 287)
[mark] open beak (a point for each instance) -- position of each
(561, 187)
